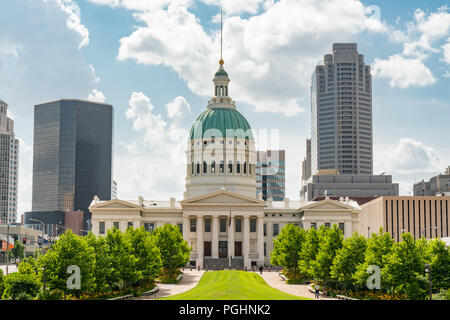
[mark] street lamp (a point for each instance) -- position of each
(428, 270)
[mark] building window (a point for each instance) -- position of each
(238, 225)
(205, 167)
(180, 226)
(116, 224)
(223, 225)
(342, 226)
(327, 224)
(222, 165)
(213, 167)
(193, 223)
(238, 167)
(252, 225)
(101, 228)
(130, 224)
(207, 225)
(314, 225)
(265, 249)
(275, 229)
(245, 167)
(149, 227)
(265, 229)
(198, 168)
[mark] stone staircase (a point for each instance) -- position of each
(223, 263)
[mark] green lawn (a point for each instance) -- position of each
(233, 285)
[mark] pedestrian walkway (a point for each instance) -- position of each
(274, 280)
(188, 281)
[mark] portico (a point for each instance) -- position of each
(224, 227)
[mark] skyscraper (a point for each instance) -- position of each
(341, 113)
(270, 174)
(9, 167)
(72, 158)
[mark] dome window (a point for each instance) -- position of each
(230, 167)
(213, 167)
(198, 168)
(205, 167)
(238, 167)
(222, 166)
(245, 167)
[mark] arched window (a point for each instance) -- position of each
(221, 91)
(198, 168)
(192, 168)
(213, 167)
(245, 167)
(205, 167)
(226, 90)
(230, 167)
(222, 165)
(238, 167)
(217, 90)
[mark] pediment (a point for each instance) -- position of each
(328, 205)
(223, 197)
(116, 204)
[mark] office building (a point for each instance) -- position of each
(270, 174)
(341, 113)
(306, 169)
(437, 185)
(72, 156)
(9, 167)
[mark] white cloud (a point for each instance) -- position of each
(74, 20)
(446, 49)
(419, 41)
(406, 157)
(236, 6)
(178, 107)
(268, 56)
(403, 72)
(97, 96)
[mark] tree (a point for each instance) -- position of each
(103, 264)
(29, 266)
(144, 248)
(174, 250)
(308, 252)
(379, 246)
(286, 248)
(438, 256)
(330, 243)
(69, 250)
(18, 252)
(20, 286)
(348, 258)
(1, 282)
(404, 269)
(123, 261)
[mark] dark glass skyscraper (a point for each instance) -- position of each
(72, 159)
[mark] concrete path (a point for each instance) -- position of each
(274, 280)
(187, 282)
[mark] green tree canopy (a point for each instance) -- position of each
(330, 243)
(308, 252)
(69, 250)
(174, 249)
(145, 249)
(123, 261)
(439, 259)
(286, 248)
(103, 263)
(379, 246)
(20, 286)
(348, 258)
(18, 252)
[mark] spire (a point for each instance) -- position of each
(221, 37)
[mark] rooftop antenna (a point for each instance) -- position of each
(221, 27)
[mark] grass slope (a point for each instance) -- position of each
(233, 285)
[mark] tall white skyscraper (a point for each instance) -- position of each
(9, 167)
(341, 113)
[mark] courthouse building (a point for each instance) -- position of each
(221, 217)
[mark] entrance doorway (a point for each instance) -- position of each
(238, 249)
(207, 249)
(223, 249)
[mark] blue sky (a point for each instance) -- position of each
(154, 61)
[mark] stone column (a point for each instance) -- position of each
(260, 239)
(199, 231)
(246, 242)
(186, 228)
(95, 227)
(231, 237)
(215, 238)
(347, 229)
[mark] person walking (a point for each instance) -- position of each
(316, 287)
(261, 269)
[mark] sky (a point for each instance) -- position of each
(154, 62)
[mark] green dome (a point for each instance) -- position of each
(221, 119)
(221, 72)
